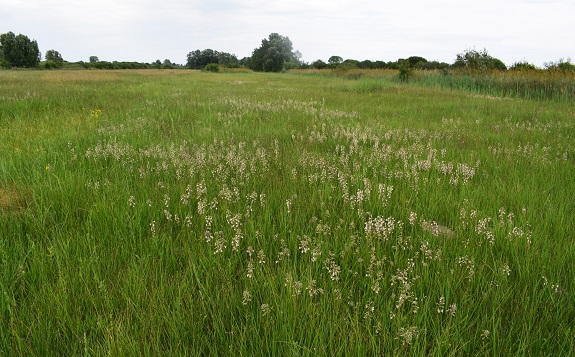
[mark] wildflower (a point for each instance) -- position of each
(408, 334)
(506, 269)
(250, 270)
(452, 309)
(412, 218)
(246, 297)
(485, 334)
(219, 243)
(261, 257)
(132, 201)
(441, 305)
(266, 309)
(312, 290)
(331, 266)
(96, 113)
(376, 287)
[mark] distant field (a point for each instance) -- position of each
(189, 213)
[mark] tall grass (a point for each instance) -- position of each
(553, 84)
(531, 84)
(190, 213)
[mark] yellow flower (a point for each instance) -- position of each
(96, 113)
(47, 167)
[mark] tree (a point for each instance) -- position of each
(94, 59)
(318, 64)
(335, 60)
(414, 60)
(200, 59)
(53, 55)
(167, 64)
(365, 64)
(478, 61)
(563, 65)
(405, 70)
(18, 51)
(522, 66)
(273, 54)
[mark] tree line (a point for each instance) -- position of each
(275, 54)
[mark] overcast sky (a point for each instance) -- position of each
(537, 31)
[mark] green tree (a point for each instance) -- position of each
(94, 59)
(167, 64)
(53, 55)
(335, 60)
(405, 70)
(365, 64)
(200, 59)
(522, 66)
(415, 60)
(478, 61)
(562, 64)
(273, 54)
(18, 51)
(318, 64)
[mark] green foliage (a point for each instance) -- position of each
(167, 64)
(199, 59)
(273, 54)
(522, 66)
(562, 65)
(554, 84)
(5, 64)
(18, 51)
(416, 60)
(94, 59)
(335, 60)
(405, 71)
(473, 60)
(53, 55)
(51, 64)
(318, 64)
(212, 67)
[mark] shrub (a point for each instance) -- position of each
(405, 71)
(51, 64)
(212, 67)
(522, 66)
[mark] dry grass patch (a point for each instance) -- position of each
(10, 201)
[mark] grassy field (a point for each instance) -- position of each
(189, 213)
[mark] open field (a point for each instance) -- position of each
(189, 213)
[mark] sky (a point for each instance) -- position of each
(536, 31)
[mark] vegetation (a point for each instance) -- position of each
(18, 51)
(311, 213)
(200, 59)
(273, 55)
(212, 67)
(478, 61)
(53, 55)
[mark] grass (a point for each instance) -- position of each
(190, 213)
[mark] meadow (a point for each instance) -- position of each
(150, 212)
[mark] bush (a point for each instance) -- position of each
(212, 67)
(5, 64)
(405, 71)
(51, 64)
(522, 66)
